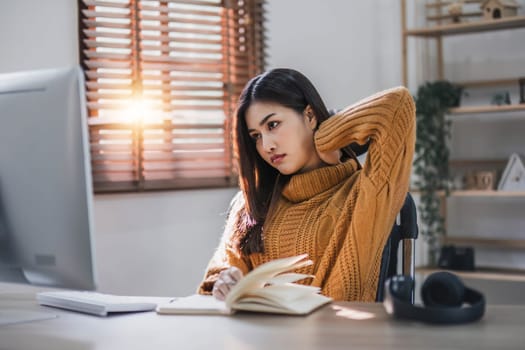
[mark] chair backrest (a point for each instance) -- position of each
(405, 229)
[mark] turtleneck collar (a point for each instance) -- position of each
(306, 185)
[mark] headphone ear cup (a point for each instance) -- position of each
(443, 289)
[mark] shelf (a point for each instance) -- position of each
(486, 82)
(476, 193)
(471, 27)
(490, 163)
(487, 109)
(487, 242)
(446, 3)
(487, 193)
(509, 275)
(450, 17)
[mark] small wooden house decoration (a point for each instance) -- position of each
(494, 9)
(455, 10)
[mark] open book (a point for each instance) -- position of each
(268, 288)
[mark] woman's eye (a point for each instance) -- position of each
(272, 124)
(255, 137)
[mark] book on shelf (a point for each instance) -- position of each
(269, 288)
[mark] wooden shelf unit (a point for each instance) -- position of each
(437, 31)
(492, 274)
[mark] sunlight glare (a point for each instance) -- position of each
(141, 110)
(352, 314)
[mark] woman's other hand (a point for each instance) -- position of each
(227, 279)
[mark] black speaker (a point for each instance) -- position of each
(456, 258)
(444, 296)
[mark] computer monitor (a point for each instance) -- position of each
(46, 222)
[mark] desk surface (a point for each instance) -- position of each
(335, 326)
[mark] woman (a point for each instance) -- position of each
(303, 190)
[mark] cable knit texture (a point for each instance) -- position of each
(339, 215)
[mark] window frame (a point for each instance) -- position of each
(242, 46)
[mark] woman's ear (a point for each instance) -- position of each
(310, 117)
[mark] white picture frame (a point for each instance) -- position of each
(513, 178)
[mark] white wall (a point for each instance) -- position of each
(158, 242)
(36, 35)
(349, 49)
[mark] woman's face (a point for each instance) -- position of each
(283, 137)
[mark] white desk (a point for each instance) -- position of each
(336, 326)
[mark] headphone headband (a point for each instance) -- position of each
(436, 314)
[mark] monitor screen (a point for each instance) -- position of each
(46, 222)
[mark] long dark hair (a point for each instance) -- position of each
(260, 183)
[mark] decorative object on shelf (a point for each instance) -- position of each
(455, 9)
(433, 99)
(522, 90)
(480, 180)
(501, 98)
(494, 9)
(513, 178)
(458, 182)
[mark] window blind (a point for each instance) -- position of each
(162, 81)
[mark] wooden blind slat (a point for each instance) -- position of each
(105, 24)
(100, 34)
(181, 11)
(93, 74)
(167, 49)
(103, 14)
(114, 86)
(196, 2)
(165, 38)
(212, 21)
(199, 68)
(181, 30)
(114, 4)
(113, 45)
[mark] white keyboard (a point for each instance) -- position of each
(95, 303)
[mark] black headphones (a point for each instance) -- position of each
(443, 295)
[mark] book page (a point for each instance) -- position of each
(300, 306)
(288, 277)
(282, 293)
(260, 276)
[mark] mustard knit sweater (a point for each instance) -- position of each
(339, 215)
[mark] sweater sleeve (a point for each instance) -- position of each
(387, 119)
(226, 255)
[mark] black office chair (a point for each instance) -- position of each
(405, 229)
